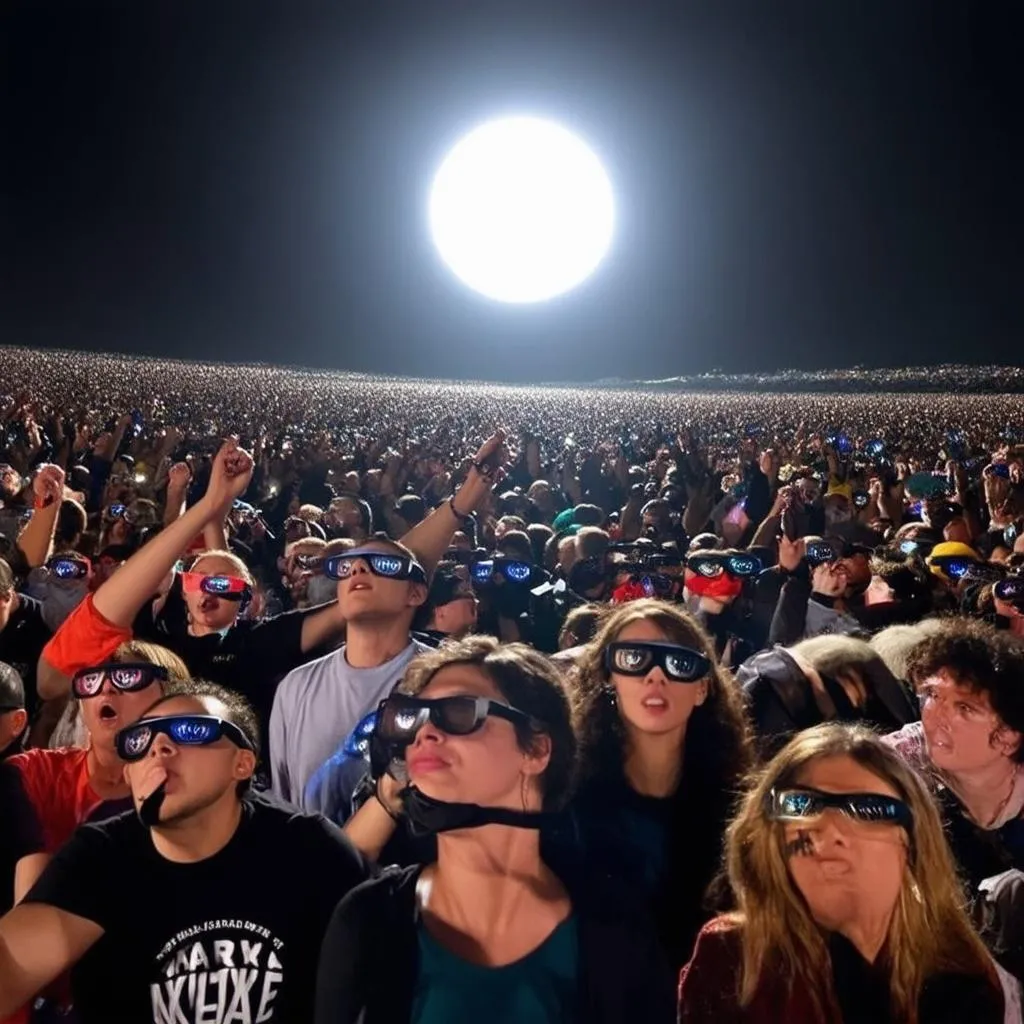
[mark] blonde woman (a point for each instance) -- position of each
(848, 905)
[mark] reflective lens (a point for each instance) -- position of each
(916, 547)
(383, 564)
(133, 742)
(743, 566)
(680, 664)
(1010, 589)
(68, 568)
(233, 588)
(820, 552)
(124, 676)
(954, 567)
(399, 717)
(801, 804)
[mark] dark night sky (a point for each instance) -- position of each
(798, 184)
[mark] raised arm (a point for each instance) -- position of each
(430, 539)
(36, 539)
(122, 596)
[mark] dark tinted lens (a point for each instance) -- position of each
(399, 719)
(820, 551)
(117, 511)
(875, 807)
(387, 565)
(132, 677)
(709, 568)
(630, 660)
(955, 567)
(685, 665)
(482, 572)
(455, 715)
(796, 803)
(193, 731)
(744, 565)
(516, 572)
(216, 584)
(337, 567)
(1011, 589)
(88, 683)
(134, 742)
(68, 569)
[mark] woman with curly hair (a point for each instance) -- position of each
(664, 746)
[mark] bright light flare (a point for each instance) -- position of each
(521, 210)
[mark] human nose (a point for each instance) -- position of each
(428, 733)
(162, 746)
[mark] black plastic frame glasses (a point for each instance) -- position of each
(636, 658)
(126, 676)
(134, 741)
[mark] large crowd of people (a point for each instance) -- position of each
(329, 698)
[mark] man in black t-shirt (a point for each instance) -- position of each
(213, 913)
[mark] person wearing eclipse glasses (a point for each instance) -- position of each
(848, 906)
(482, 734)
(664, 748)
(48, 793)
(381, 584)
(165, 909)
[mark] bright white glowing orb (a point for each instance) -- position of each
(521, 210)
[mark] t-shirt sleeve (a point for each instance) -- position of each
(332, 860)
(83, 876)
(275, 644)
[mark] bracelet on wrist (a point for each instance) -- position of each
(463, 516)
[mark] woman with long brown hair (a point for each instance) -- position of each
(848, 904)
(664, 746)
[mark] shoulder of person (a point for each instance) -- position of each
(391, 890)
(40, 765)
(332, 664)
(308, 834)
(952, 997)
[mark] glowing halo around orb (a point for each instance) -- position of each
(521, 210)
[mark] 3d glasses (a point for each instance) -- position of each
(711, 564)
(119, 511)
(133, 742)
(513, 571)
(1010, 590)
(381, 563)
(870, 808)
(124, 676)
(955, 567)
(634, 658)
(231, 588)
(400, 717)
(69, 568)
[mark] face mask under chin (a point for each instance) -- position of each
(428, 816)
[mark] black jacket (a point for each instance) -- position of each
(370, 955)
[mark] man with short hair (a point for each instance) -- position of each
(451, 607)
(211, 900)
(13, 716)
(318, 704)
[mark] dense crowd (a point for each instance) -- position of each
(345, 699)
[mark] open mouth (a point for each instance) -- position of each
(108, 713)
(655, 703)
(359, 586)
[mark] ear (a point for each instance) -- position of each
(702, 693)
(19, 719)
(417, 595)
(536, 761)
(1007, 741)
(245, 765)
(127, 777)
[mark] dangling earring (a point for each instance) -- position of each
(522, 791)
(610, 695)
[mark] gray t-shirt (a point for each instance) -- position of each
(319, 704)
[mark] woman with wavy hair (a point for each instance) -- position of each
(664, 747)
(848, 905)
